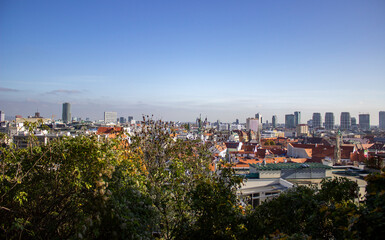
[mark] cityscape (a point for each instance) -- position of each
(171, 120)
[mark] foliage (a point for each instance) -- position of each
(149, 186)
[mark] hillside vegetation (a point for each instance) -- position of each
(91, 187)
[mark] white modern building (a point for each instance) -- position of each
(110, 117)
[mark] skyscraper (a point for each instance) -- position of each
(274, 121)
(382, 120)
(110, 117)
(2, 116)
(66, 114)
(353, 123)
(259, 116)
(317, 120)
(297, 118)
(130, 118)
(364, 121)
(289, 121)
(345, 121)
(329, 120)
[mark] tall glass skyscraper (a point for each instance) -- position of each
(317, 120)
(382, 120)
(364, 121)
(297, 118)
(274, 121)
(289, 121)
(345, 121)
(329, 120)
(66, 115)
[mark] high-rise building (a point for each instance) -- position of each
(364, 121)
(122, 120)
(130, 118)
(353, 123)
(289, 121)
(329, 120)
(2, 116)
(252, 124)
(274, 121)
(110, 117)
(297, 118)
(382, 120)
(259, 116)
(66, 114)
(317, 120)
(345, 121)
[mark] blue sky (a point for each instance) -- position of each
(177, 59)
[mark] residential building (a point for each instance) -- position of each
(289, 121)
(66, 113)
(110, 117)
(317, 120)
(297, 118)
(345, 121)
(382, 120)
(364, 121)
(302, 130)
(329, 121)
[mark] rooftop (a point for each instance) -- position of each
(280, 166)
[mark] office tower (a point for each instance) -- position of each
(289, 121)
(130, 118)
(297, 118)
(252, 124)
(122, 120)
(110, 117)
(364, 121)
(317, 120)
(274, 121)
(259, 116)
(382, 120)
(66, 114)
(329, 120)
(353, 123)
(345, 121)
(237, 121)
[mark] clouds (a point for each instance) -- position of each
(8, 90)
(63, 91)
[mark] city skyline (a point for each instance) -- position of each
(220, 59)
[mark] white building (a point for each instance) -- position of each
(110, 117)
(252, 124)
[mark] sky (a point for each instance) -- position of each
(176, 60)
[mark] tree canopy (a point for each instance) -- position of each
(149, 186)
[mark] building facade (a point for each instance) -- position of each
(252, 124)
(364, 121)
(110, 117)
(289, 121)
(345, 121)
(317, 120)
(382, 120)
(329, 121)
(297, 118)
(66, 113)
(274, 121)
(2, 116)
